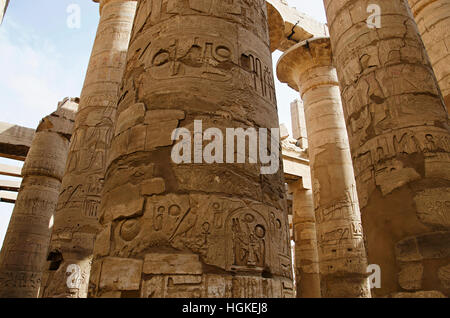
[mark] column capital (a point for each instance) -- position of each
(104, 2)
(276, 26)
(302, 57)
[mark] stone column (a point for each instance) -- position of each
(305, 238)
(299, 123)
(308, 68)
(76, 219)
(433, 20)
(194, 229)
(399, 138)
(276, 26)
(26, 242)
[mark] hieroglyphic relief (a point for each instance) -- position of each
(185, 62)
(76, 218)
(340, 235)
(194, 56)
(309, 68)
(248, 240)
(250, 13)
(380, 157)
(398, 131)
(91, 141)
(19, 284)
(199, 224)
(261, 75)
(26, 243)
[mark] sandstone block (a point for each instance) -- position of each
(172, 264)
(121, 273)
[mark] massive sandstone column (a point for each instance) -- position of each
(305, 237)
(191, 229)
(307, 67)
(24, 250)
(76, 218)
(400, 142)
(433, 20)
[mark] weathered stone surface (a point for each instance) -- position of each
(15, 141)
(410, 276)
(130, 117)
(276, 27)
(153, 186)
(306, 260)
(433, 20)
(425, 246)
(398, 131)
(308, 68)
(444, 276)
(121, 274)
(23, 254)
(125, 201)
(284, 133)
(78, 204)
(214, 286)
(103, 242)
(297, 26)
(157, 263)
(420, 294)
(433, 207)
(209, 61)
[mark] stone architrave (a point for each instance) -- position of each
(193, 229)
(308, 68)
(76, 218)
(433, 20)
(26, 242)
(399, 139)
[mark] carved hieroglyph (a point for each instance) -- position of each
(399, 138)
(190, 230)
(76, 218)
(433, 20)
(308, 67)
(24, 250)
(276, 27)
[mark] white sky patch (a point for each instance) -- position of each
(32, 78)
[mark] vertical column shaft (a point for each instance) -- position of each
(305, 237)
(399, 139)
(76, 219)
(26, 242)
(308, 66)
(193, 228)
(433, 20)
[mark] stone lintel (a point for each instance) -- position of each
(15, 141)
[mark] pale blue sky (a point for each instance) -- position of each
(42, 61)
